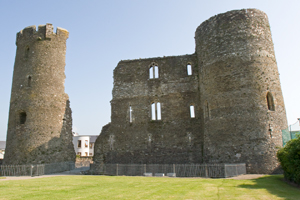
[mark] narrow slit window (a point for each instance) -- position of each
(79, 143)
(23, 117)
(29, 81)
(192, 111)
(26, 52)
(158, 109)
(189, 69)
(270, 102)
(156, 75)
(206, 110)
(151, 76)
(153, 113)
(130, 114)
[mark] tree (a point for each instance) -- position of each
(289, 158)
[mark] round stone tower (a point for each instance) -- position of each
(40, 121)
(241, 96)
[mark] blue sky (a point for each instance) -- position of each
(104, 32)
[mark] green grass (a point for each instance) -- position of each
(122, 187)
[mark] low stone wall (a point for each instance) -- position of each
(83, 162)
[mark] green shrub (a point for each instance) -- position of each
(289, 158)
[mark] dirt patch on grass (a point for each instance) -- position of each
(247, 176)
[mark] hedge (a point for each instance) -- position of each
(289, 158)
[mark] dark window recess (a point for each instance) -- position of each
(29, 81)
(270, 101)
(207, 110)
(23, 117)
(26, 52)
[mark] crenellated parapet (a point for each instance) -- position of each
(44, 32)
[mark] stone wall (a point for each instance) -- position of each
(234, 88)
(175, 137)
(40, 117)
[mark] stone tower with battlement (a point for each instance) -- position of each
(40, 117)
(222, 104)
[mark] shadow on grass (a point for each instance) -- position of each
(275, 185)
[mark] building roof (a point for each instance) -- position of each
(2, 144)
(93, 138)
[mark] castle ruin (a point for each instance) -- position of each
(222, 104)
(40, 117)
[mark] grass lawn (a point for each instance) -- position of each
(125, 187)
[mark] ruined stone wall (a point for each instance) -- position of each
(40, 118)
(236, 91)
(237, 70)
(173, 139)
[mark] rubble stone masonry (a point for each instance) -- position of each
(40, 117)
(234, 90)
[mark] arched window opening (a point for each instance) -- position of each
(156, 111)
(192, 111)
(189, 69)
(153, 72)
(270, 102)
(22, 116)
(29, 81)
(26, 52)
(130, 114)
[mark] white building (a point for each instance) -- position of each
(84, 144)
(2, 149)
